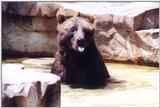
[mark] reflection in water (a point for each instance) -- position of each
(130, 85)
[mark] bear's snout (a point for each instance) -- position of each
(81, 45)
(81, 42)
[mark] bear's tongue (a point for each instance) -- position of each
(80, 49)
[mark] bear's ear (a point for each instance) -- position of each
(64, 14)
(60, 18)
(90, 18)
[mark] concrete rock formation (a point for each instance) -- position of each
(28, 29)
(125, 32)
(24, 87)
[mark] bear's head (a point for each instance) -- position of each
(75, 32)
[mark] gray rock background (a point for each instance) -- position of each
(125, 31)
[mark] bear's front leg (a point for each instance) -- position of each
(58, 69)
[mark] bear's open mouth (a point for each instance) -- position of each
(80, 49)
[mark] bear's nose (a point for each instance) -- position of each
(81, 42)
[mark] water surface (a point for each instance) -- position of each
(130, 85)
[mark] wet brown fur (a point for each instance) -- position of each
(85, 68)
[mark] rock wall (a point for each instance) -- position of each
(29, 28)
(125, 32)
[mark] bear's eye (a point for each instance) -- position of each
(88, 32)
(73, 29)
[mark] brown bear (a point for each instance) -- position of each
(78, 61)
